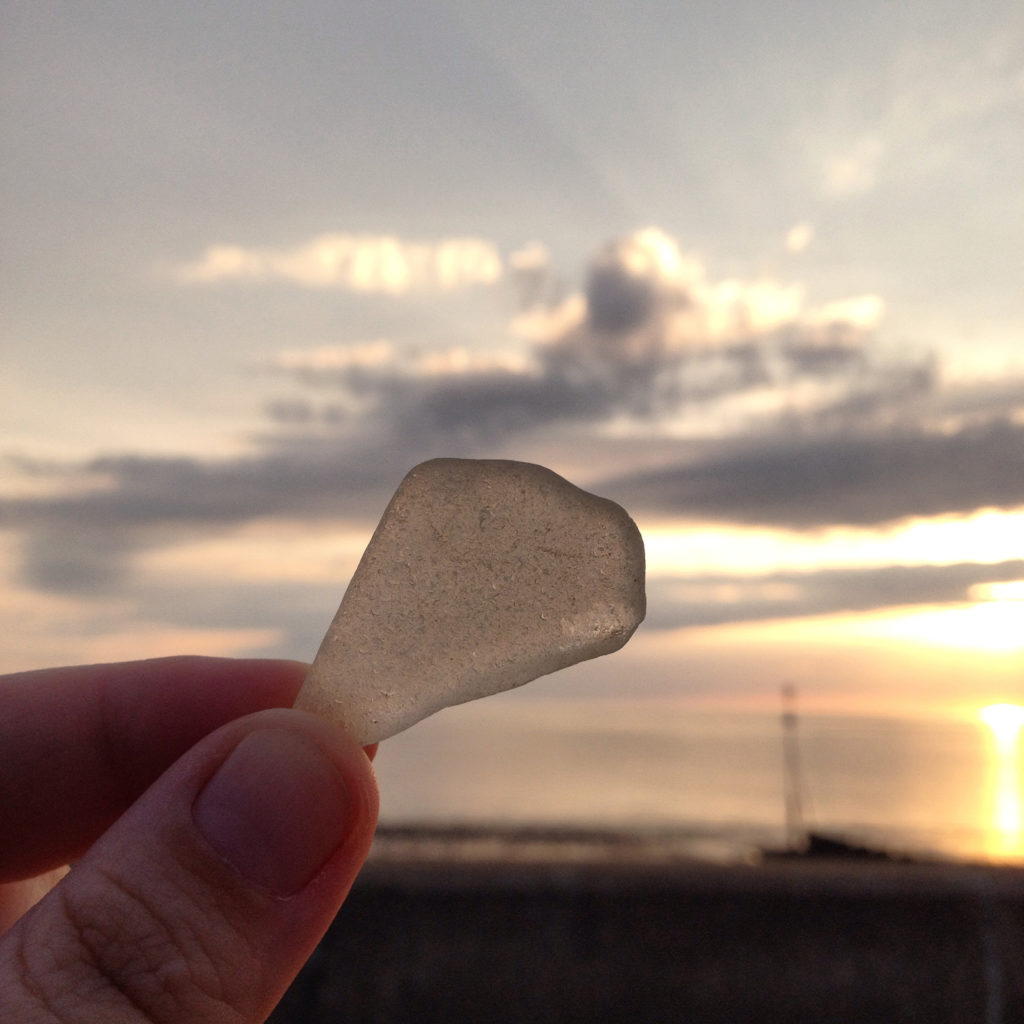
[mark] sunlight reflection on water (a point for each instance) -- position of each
(948, 786)
(1006, 817)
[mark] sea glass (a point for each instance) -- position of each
(480, 576)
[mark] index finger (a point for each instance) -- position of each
(79, 745)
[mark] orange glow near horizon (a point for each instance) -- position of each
(986, 537)
(1005, 813)
(985, 626)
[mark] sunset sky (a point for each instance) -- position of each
(752, 270)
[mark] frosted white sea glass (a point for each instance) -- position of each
(480, 576)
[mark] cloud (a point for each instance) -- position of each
(839, 478)
(716, 600)
(658, 336)
(644, 282)
(530, 271)
(360, 263)
(648, 333)
(635, 279)
(855, 170)
(547, 322)
(860, 312)
(383, 358)
(942, 106)
(82, 541)
(784, 413)
(799, 236)
(490, 408)
(363, 355)
(410, 399)
(646, 300)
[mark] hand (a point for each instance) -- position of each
(214, 833)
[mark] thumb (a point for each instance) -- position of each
(203, 901)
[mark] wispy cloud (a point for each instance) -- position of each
(854, 170)
(799, 236)
(943, 102)
(383, 356)
(360, 263)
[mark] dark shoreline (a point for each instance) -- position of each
(583, 935)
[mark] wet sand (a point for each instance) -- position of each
(563, 930)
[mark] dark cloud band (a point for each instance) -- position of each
(839, 479)
(711, 600)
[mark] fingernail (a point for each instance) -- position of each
(276, 810)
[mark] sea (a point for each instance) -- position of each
(706, 783)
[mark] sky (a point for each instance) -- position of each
(752, 270)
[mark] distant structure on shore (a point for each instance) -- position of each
(792, 773)
(802, 841)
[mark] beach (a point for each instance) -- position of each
(449, 926)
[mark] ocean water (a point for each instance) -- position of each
(713, 780)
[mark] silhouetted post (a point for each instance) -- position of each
(796, 834)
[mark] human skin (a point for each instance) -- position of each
(214, 832)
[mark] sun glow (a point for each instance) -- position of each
(1005, 721)
(1006, 816)
(986, 626)
(986, 537)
